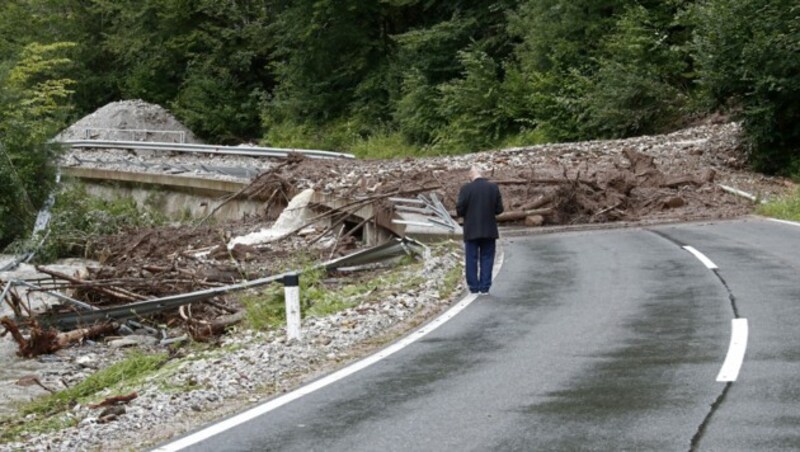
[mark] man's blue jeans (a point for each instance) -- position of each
(479, 262)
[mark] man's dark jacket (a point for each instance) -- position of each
(478, 202)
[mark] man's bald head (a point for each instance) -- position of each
(474, 172)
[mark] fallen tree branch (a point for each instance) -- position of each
(115, 400)
(116, 293)
(202, 331)
(257, 181)
(45, 341)
(521, 214)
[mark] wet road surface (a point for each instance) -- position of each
(597, 340)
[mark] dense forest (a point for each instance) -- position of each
(397, 77)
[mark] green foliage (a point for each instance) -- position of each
(388, 72)
(470, 105)
(134, 366)
(417, 111)
(325, 49)
(748, 58)
(33, 106)
(333, 136)
(787, 208)
(236, 116)
(78, 217)
(407, 76)
(557, 103)
(207, 60)
(638, 87)
(384, 145)
(561, 35)
(266, 309)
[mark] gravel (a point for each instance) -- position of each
(248, 367)
(129, 120)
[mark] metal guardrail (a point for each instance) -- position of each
(138, 309)
(430, 209)
(87, 132)
(254, 151)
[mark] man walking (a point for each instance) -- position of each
(478, 202)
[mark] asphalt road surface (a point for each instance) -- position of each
(597, 340)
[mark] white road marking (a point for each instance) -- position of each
(325, 381)
(793, 223)
(735, 357)
(702, 257)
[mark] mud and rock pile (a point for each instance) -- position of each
(129, 120)
(671, 177)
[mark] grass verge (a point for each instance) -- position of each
(785, 208)
(46, 413)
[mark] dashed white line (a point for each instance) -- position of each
(702, 257)
(735, 357)
(266, 407)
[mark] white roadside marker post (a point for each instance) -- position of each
(291, 286)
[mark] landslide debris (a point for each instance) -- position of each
(129, 120)
(674, 177)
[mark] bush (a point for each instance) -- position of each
(786, 208)
(635, 90)
(32, 108)
(470, 106)
(78, 217)
(747, 57)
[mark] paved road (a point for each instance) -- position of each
(601, 340)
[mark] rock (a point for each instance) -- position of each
(534, 220)
(114, 410)
(674, 202)
(134, 340)
(87, 361)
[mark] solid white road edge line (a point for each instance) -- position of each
(735, 357)
(793, 223)
(702, 257)
(266, 407)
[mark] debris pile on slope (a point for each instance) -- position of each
(659, 178)
(667, 177)
(129, 120)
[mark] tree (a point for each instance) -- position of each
(32, 109)
(383, 64)
(748, 58)
(641, 83)
(557, 53)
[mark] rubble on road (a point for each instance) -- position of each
(691, 174)
(673, 177)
